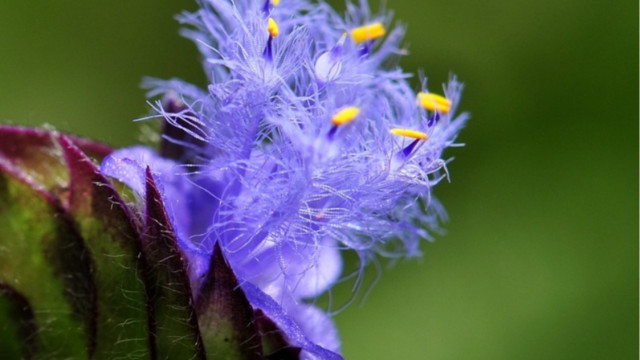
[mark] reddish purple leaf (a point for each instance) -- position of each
(35, 156)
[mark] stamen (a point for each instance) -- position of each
(272, 26)
(275, 2)
(342, 117)
(345, 115)
(274, 31)
(367, 32)
(414, 134)
(434, 102)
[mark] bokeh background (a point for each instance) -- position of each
(541, 256)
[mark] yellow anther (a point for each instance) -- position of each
(273, 28)
(275, 2)
(367, 32)
(414, 134)
(345, 115)
(433, 102)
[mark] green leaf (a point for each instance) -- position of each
(41, 257)
(113, 240)
(225, 316)
(17, 325)
(176, 333)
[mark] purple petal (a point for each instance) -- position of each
(304, 273)
(128, 166)
(316, 325)
(294, 332)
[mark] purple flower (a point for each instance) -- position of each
(307, 141)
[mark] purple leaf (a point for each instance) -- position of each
(182, 133)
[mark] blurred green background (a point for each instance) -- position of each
(541, 256)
